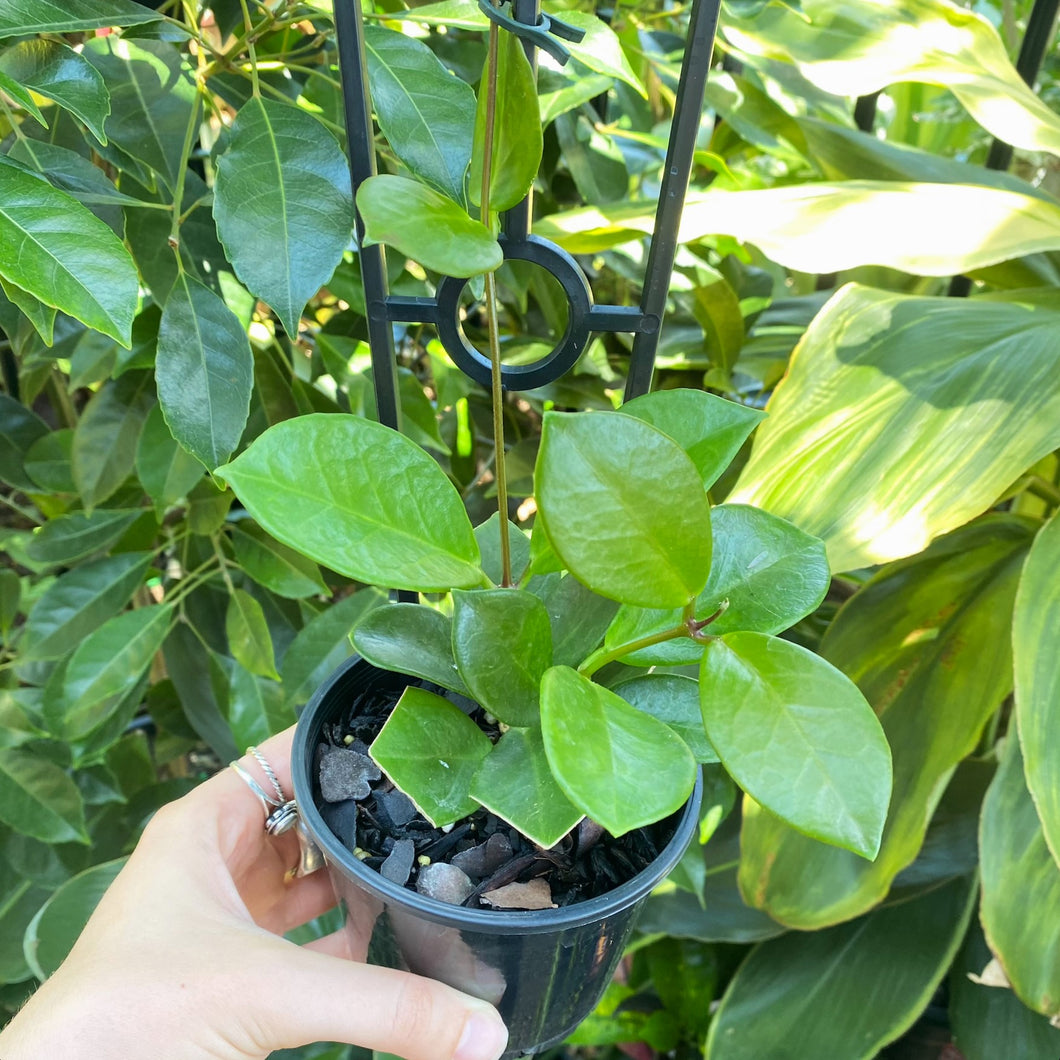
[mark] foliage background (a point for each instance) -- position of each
(150, 630)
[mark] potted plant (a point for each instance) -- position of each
(545, 703)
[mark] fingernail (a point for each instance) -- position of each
(484, 1037)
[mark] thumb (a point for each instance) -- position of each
(328, 998)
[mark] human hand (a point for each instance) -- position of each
(185, 959)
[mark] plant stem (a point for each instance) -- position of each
(1043, 489)
(251, 49)
(601, 657)
(182, 169)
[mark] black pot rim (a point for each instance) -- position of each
(487, 921)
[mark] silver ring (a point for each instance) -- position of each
(268, 771)
(268, 803)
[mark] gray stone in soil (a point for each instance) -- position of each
(486, 858)
(341, 818)
(445, 883)
(399, 861)
(345, 774)
(397, 806)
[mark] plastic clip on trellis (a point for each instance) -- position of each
(584, 317)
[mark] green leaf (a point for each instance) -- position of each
(58, 72)
(41, 316)
(256, 707)
(10, 599)
(488, 536)
(425, 225)
(1035, 626)
(106, 665)
(893, 378)
(20, 428)
(38, 799)
(1019, 874)
(323, 643)
(56, 927)
(515, 782)
(22, 17)
(927, 641)
(578, 616)
(426, 114)
(280, 569)
(49, 462)
(797, 735)
(674, 700)
(79, 602)
(770, 573)
(517, 136)
(248, 635)
(312, 484)
(106, 436)
(283, 205)
(600, 49)
(167, 471)
(430, 749)
(57, 252)
(618, 765)
(597, 490)
(19, 907)
(22, 96)
(502, 641)
(69, 538)
(709, 428)
(411, 639)
(809, 989)
(205, 371)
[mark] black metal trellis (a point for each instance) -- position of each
(584, 317)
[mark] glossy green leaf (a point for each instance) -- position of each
(410, 639)
(166, 470)
(21, 95)
(516, 133)
(596, 485)
(674, 700)
(578, 616)
(430, 749)
(49, 462)
(1035, 627)
(515, 782)
(283, 205)
(19, 907)
(1020, 875)
(56, 927)
(808, 990)
(425, 225)
(600, 49)
(79, 601)
(312, 484)
(426, 114)
(205, 371)
(41, 316)
(323, 643)
(769, 572)
(72, 537)
(38, 799)
(21, 17)
(797, 735)
(927, 641)
(279, 568)
(58, 72)
(10, 599)
(488, 536)
(620, 766)
(502, 640)
(20, 428)
(869, 443)
(256, 707)
(248, 634)
(56, 250)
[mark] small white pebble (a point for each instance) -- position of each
(423, 860)
(348, 739)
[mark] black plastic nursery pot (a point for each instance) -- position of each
(545, 970)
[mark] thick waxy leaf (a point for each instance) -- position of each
(1035, 629)
(620, 766)
(431, 750)
(502, 640)
(674, 700)
(597, 490)
(279, 568)
(41, 316)
(21, 95)
(58, 72)
(517, 136)
(411, 639)
(869, 444)
(107, 665)
(72, 537)
(79, 602)
(167, 471)
(926, 640)
(205, 371)
(425, 225)
(256, 707)
(1019, 874)
(248, 635)
(38, 799)
(809, 989)
(488, 536)
(708, 428)
(578, 616)
(20, 428)
(797, 735)
(48, 462)
(426, 114)
(600, 49)
(313, 484)
(283, 205)
(516, 784)
(770, 573)
(56, 251)
(22, 17)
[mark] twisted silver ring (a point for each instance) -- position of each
(269, 772)
(281, 813)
